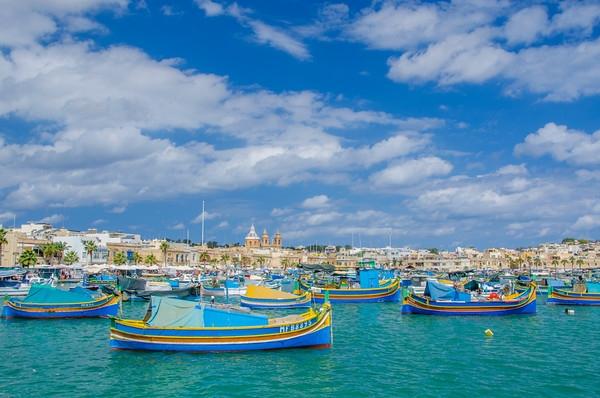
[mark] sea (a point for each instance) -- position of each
(376, 352)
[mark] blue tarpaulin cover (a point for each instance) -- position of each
(439, 291)
(44, 294)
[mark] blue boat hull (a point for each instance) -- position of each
(105, 311)
(527, 309)
(572, 302)
(394, 297)
(424, 305)
(321, 338)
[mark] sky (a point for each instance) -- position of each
(427, 124)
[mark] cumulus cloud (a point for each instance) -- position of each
(23, 22)
(316, 202)
(410, 172)
(562, 144)
(466, 42)
(53, 219)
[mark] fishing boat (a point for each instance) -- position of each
(370, 290)
(264, 297)
(13, 283)
(441, 299)
(229, 288)
(142, 289)
(581, 296)
(45, 301)
(179, 325)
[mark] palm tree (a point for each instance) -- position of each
(204, 257)
(137, 258)
(71, 258)
(564, 263)
(90, 247)
(580, 262)
(225, 258)
(164, 247)
(572, 261)
(245, 260)
(3, 241)
(48, 251)
(150, 260)
(120, 258)
(28, 258)
(286, 263)
(60, 248)
(555, 263)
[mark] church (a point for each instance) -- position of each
(253, 241)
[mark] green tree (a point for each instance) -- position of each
(285, 263)
(90, 247)
(71, 258)
(120, 258)
(150, 259)
(555, 264)
(3, 241)
(59, 250)
(579, 263)
(164, 248)
(564, 263)
(137, 258)
(225, 258)
(48, 252)
(28, 258)
(204, 257)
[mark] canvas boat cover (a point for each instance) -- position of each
(318, 267)
(439, 291)
(169, 312)
(262, 292)
(44, 294)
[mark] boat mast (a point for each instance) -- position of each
(202, 241)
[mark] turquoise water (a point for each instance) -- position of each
(376, 352)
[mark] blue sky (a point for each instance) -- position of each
(436, 123)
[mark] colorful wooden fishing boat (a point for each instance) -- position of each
(523, 303)
(179, 325)
(44, 301)
(264, 297)
(387, 291)
(569, 297)
(229, 288)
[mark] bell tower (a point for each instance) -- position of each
(264, 239)
(277, 240)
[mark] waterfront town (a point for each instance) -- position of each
(41, 243)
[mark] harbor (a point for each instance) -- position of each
(376, 351)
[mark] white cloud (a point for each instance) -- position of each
(23, 22)
(563, 144)
(463, 42)
(263, 33)
(223, 224)
(526, 25)
(118, 209)
(211, 8)
(53, 219)
(177, 227)
(7, 216)
(316, 202)
(587, 222)
(207, 216)
(277, 38)
(512, 169)
(410, 172)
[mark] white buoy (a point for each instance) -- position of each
(488, 333)
(569, 311)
